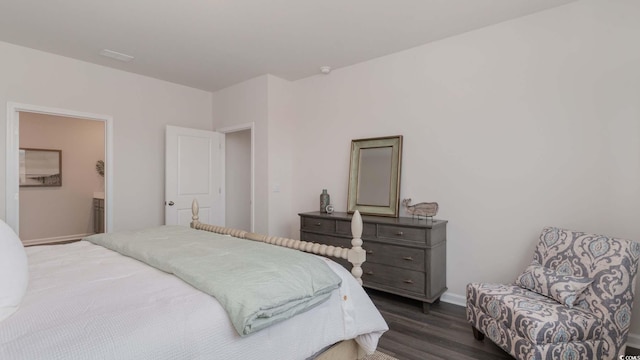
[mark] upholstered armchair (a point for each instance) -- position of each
(573, 302)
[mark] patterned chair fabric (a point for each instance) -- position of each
(532, 326)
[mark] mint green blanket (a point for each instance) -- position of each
(258, 284)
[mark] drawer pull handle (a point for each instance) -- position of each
(399, 233)
(408, 281)
(369, 251)
(369, 272)
(318, 224)
(408, 258)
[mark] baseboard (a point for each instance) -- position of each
(633, 340)
(455, 299)
(53, 240)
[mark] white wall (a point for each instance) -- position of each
(513, 127)
(140, 107)
(62, 211)
(527, 123)
(246, 103)
(281, 138)
(267, 102)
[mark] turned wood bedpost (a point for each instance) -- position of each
(356, 255)
(195, 209)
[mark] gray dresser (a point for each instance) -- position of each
(405, 256)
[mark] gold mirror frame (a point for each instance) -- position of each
(355, 201)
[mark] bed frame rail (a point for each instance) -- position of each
(355, 255)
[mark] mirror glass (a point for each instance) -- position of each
(374, 176)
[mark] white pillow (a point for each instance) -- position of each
(14, 273)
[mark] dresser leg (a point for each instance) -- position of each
(425, 307)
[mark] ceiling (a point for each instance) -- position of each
(212, 44)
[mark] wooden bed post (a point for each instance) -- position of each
(357, 255)
(195, 209)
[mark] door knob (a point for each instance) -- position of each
(171, 203)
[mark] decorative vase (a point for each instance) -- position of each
(324, 201)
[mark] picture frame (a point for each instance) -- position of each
(40, 167)
(374, 176)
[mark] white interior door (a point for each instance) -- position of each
(194, 169)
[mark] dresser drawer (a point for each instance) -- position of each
(392, 277)
(402, 233)
(320, 225)
(343, 227)
(398, 256)
(325, 239)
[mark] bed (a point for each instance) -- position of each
(85, 301)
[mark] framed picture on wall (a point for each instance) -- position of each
(40, 167)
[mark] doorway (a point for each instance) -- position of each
(50, 117)
(239, 176)
(59, 198)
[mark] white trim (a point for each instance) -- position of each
(234, 128)
(455, 299)
(56, 239)
(633, 340)
(12, 189)
(241, 127)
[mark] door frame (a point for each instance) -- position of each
(247, 126)
(12, 166)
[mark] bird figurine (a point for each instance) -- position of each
(426, 209)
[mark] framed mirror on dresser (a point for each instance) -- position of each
(374, 176)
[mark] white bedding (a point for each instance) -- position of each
(87, 302)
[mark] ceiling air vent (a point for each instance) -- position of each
(116, 55)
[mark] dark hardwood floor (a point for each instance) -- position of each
(444, 333)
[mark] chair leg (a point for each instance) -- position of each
(477, 334)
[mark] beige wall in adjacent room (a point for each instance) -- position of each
(67, 210)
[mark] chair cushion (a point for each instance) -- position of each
(537, 318)
(563, 288)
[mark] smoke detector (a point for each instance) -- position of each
(325, 69)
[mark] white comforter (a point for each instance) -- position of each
(87, 302)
